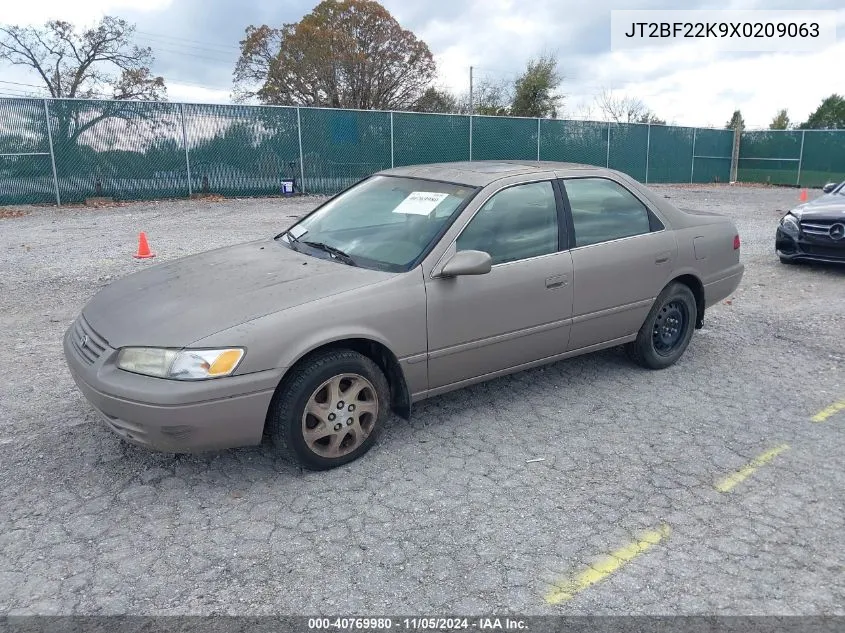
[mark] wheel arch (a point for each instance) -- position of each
(376, 351)
(697, 287)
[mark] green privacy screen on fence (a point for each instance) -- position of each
(771, 157)
(239, 150)
(26, 173)
(429, 138)
(69, 150)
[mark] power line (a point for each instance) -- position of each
(16, 83)
(156, 46)
(198, 56)
(174, 81)
(210, 45)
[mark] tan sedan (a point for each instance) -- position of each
(414, 282)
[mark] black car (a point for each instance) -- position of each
(815, 230)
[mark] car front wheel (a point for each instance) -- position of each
(667, 330)
(329, 410)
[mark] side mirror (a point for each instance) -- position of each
(829, 187)
(467, 263)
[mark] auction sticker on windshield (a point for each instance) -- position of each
(420, 202)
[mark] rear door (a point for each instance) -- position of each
(622, 257)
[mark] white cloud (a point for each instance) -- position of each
(707, 90)
(687, 85)
(76, 11)
(196, 94)
(690, 85)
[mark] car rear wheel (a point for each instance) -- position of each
(330, 409)
(667, 330)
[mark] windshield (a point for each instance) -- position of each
(384, 222)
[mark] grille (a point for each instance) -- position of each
(819, 228)
(87, 343)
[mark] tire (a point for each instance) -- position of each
(656, 347)
(323, 381)
(787, 261)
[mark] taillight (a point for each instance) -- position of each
(736, 242)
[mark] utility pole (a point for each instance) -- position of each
(470, 91)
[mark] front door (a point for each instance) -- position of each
(517, 313)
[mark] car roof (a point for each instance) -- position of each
(479, 173)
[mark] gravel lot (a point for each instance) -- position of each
(446, 515)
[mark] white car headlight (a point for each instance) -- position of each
(186, 364)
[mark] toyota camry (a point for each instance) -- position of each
(414, 282)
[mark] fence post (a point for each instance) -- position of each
(647, 151)
(800, 158)
(301, 161)
(607, 161)
(52, 154)
(538, 139)
(692, 165)
(470, 137)
(391, 139)
(185, 144)
(735, 155)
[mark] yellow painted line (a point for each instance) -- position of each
(569, 587)
(825, 413)
(727, 483)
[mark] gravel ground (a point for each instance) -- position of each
(447, 514)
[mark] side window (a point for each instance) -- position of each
(603, 210)
(516, 223)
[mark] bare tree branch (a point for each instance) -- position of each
(620, 108)
(76, 64)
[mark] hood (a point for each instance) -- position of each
(828, 207)
(179, 302)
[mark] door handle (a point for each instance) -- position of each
(557, 281)
(663, 258)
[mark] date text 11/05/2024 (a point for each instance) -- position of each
(417, 624)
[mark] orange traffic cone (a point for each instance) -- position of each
(143, 248)
(803, 196)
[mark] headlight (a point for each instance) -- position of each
(187, 364)
(789, 223)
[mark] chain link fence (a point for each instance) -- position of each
(807, 158)
(66, 150)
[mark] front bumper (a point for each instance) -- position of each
(803, 248)
(170, 415)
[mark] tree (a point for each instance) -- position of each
(491, 98)
(830, 115)
(651, 117)
(780, 121)
(623, 108)
(534, 90)
(736, 122)
(438, 100)
(344, 54)
(100, 61)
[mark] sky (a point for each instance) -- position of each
(196, 45)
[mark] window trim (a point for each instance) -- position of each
(562, 231)
(652, 216)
